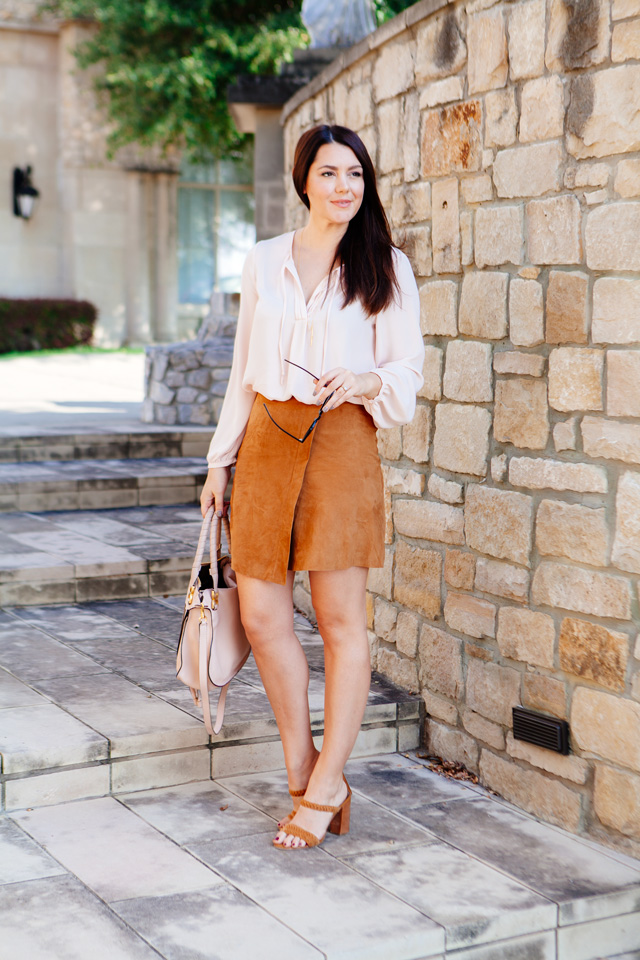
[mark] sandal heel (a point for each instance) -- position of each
(340, 823)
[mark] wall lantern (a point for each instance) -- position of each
(24, 193)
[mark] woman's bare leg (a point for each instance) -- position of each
(339, 599)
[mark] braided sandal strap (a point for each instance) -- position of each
(297, 793)
(319, 806)
(309, 838)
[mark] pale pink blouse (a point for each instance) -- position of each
(275, 324)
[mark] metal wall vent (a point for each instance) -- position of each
(538, 728)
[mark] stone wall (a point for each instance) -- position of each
(507, 142)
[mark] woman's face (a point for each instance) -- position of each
(335, 183)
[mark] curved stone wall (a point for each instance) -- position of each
(507, 142)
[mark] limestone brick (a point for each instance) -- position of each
(467, 375)
(501, 118)
(611, 440)
(502, 579)
(483, 305)
(400, 670)
(545, 694)
(603, 117)
(499, 467)
(626, 545)
(621, 9)
(417, 579)
(542, 109)
(582, 591)
(427, 520)
(440, 657)
(445, 226)
(451, 744)
(451, 139)
(477, 189)
(466, 237)
(407, 633)
(591, 651)
(606, 725)
(411, 145)
(525, 635)
(418, 202)
(416, 242)
(499, 522)
(569, 767)
(577, 37)
(545, 798)
(459, 569)
(498, 235)
(380, 578)
(440, 708)
(625, 42)
(616, 800)
(431, 389)
(567, 307)
(553, 230)
(390, 443)
(612, 237)
(484, 730)
(521, 414)
(403, 481)
(623, 383)
(384, 619)
(526, 313)
(575, 378)
(572, 531)
(461, 441)
(539, 473)
(393, 72)
(438, 308)
(492, 690)
(616, 310)
(390, 155)
(487, 45)
(441, 50)
(416, 435)
(478, 651)
(526, 39)
(513, 361)
(442, 91)
(587, 175)
(627, 182)
(470, 615)
(359, 107)
(529, 171)
(565, 434)
(446, 490)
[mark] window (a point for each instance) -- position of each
(215, 226)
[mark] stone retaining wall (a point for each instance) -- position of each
(507, 142)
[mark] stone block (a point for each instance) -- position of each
(567, 307)
(625, 42)
(390, 443)
(459, 569)
(521, 414)
(393, 72)
(498, 235)
(384, 619)
(461, 441)
(611, 440)
(501, 118)
(483, 305)
(488, 65)
(526, 39)
(442, 91)
(612, 237)
(587, 175)
(451, 744)
(582, 591)
(417, 581)
(359, 106)
(467, 375)
(380, 578)
(470, 615)
(400, 670)
(529, 171)
(603, 117)
(466, 237)
(621, 9)
(545, 694)
(416, 435)
(446, 490)
(627, 182)
(513, 361)
(532, 791)
(426, 520)
(441, 662)
(542, 109)
(492, 690)
(525, 635)
(445, 226)
(403, 481)
(572, 531)
(606, 725)
(440, 708)
(438, 308)
(553, 230)
(441, 50)
(390, 153)
(577, 36)
(526, 313)
(477, 189)
(161, 393)
(451, 139)
(483, 730)
(616, 800)
(499, 523)
(501, 579)
(591, 651)
(623, 383)
(499, 467)
(567, 767)
(541, 474)
(575, 378)
(565, 434)
(418, 202)
(407, 626)
(626, 545)
(431, 389)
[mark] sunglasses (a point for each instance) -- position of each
(308, 433)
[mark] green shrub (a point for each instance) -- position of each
(45, 324)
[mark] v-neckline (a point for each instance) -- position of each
(322, 281)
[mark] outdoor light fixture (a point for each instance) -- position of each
(24, 193)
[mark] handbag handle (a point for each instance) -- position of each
(212, 526)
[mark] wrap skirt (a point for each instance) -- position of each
(317, 505)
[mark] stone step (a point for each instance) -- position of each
(131, 441)
(91, 706)
(94, 484)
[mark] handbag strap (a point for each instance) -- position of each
(212, 526)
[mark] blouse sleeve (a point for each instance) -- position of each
(238, 401)
(399, 353)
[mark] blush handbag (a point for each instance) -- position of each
(213, 645)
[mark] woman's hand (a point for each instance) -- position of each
(344, 384)
(214, 489)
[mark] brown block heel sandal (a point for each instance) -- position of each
(339, 822)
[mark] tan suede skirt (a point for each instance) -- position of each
(317, 505)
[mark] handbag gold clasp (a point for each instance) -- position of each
(192, 590)
(202, 616)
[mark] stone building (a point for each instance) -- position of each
(507, 142)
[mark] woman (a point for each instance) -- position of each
(328, 347)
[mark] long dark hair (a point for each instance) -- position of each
(366, 249)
